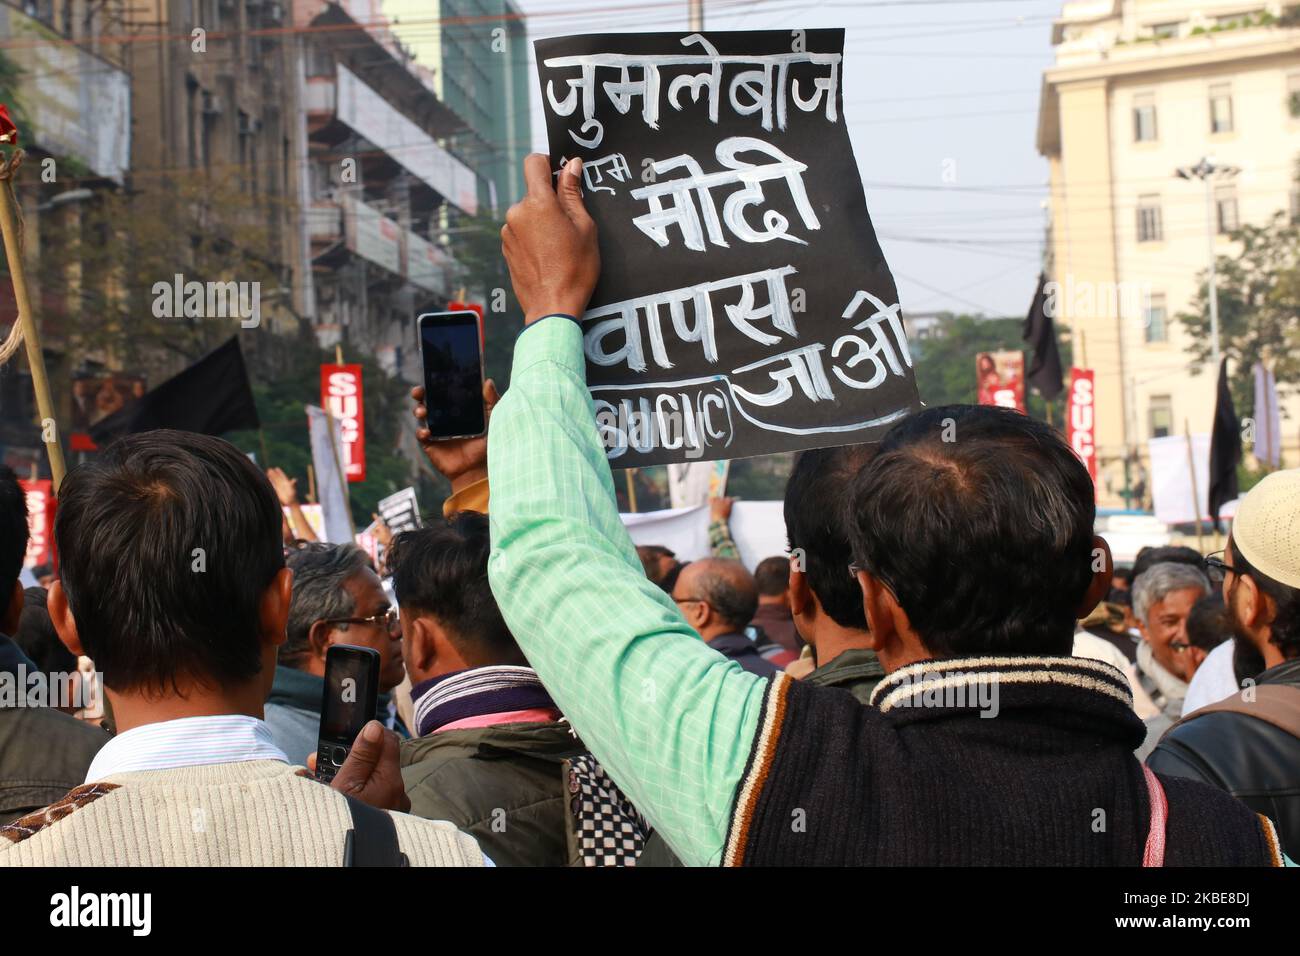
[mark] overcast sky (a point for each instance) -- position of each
(929, 85)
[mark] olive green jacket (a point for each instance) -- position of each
(504, 785)
(856, 670)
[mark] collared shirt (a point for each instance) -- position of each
(186, 742)
(610, 646)
(190, 742)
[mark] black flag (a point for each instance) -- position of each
(1045, 366)
(1225, 448)
(212, 397)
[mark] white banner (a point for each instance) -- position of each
(327, 459)
(1171, 478)
(693, 483)
(757, 527)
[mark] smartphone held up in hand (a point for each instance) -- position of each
(351, 698)
(453, 375)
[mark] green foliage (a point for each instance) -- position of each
(1259, 308)
(282, 389)
(478, 249)
(945, 363)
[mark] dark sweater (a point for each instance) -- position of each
(924, 779)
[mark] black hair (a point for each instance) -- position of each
(1166, 554)
(772, 576)
(1207, 624)
(1284, 629)
(442, 570)
(38, 638)
(168, 541)
(980, 520)
(13, 534)
(320, 575)
(816, 531)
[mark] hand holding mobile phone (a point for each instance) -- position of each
(350, 700)
(451, 350)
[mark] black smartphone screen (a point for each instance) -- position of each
(351, 692)
(453, 374)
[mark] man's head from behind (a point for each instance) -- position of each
(450, 620)
(172, 570)
(972, 534)
(716, 596)
(821, 588)
(1163, 597)
(13, 548)
(772, 578)
(338, 599)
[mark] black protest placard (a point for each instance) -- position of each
(744, 305)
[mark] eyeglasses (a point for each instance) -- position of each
(677, 600)
(1217, 570)
(387, 619)
(853, 571)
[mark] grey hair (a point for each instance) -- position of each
(320, 575)
(1151, 586)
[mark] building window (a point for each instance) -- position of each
(1293, 95)
(1221, 108)
(1165, 31)
(1154, 320)
(1225, 209)
(1144, 118)
(1160, 416)
(1149, 226)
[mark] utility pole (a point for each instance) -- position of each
(696, 14)
(1209, 172)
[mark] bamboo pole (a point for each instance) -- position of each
(11, 224)
(1196, 493)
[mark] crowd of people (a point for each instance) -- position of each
(946, 667)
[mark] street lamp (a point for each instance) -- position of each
(1209, 172)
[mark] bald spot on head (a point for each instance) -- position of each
(725, 584)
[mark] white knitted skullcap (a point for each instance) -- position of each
(1266, 529)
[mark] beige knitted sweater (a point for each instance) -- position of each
(255, 813)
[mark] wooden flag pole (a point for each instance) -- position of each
(311, 484)
(631, 489)
(1196, 494)
(11, 224)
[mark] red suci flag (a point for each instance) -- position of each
(8, 131)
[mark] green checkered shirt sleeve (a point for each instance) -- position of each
(670, 719)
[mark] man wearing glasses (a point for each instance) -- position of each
(337, 599)
(1163, 597)
(1249, 743)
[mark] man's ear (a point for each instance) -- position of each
(1256, 610)
(56, 602)
(1103, 569)
(421, 646)
(9, 624)
(273, 608)
(801, 596)
(882, 611)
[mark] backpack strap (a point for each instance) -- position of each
(1276, 704)
(1154, 854)
(372, 841)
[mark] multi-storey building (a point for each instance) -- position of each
(1140, 89)
(68, 88)
(380, 188)
(477, 54)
